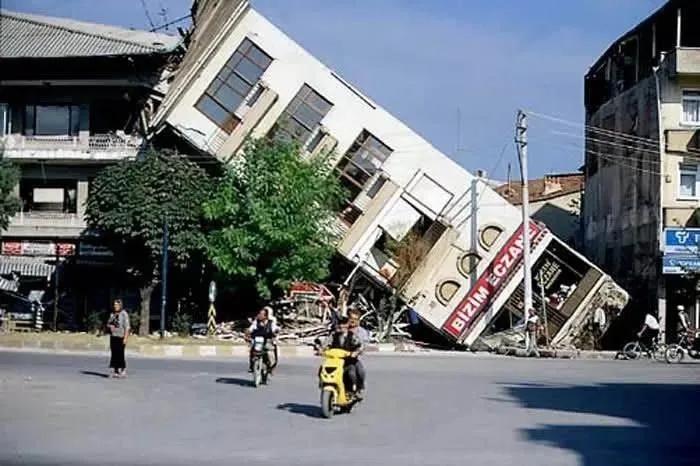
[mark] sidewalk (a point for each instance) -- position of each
(196, 348)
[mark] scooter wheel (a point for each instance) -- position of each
(327, 403)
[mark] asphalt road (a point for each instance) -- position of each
(60, 409)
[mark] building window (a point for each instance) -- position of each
(51, 120)
(302, 116)
(489, 236)
(376, 187)
(4, 119)
(446, 290)
(315, 141)
(467, 263)
(691, 107)
(233, 83)
(688, 180)
(50, 196)
(363, 160)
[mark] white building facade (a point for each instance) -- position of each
(255, 81)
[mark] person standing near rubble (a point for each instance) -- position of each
(599, 323)
(531, 327)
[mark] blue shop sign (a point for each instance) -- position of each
(682, 241)
(675, 264)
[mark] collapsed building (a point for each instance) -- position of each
(242, 77)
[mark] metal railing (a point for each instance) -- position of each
(96, 142)
(47, 219)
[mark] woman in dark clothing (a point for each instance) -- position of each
(118, 326)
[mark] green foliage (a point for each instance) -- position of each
(270, 215)
(9, 177)
(181, 324)
(128, 204)
(129, 201)
(96, 321)
(135, 322)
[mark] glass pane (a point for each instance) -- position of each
(691, 111)
(315, 142)
(249, 70)
(228, 98)
(259, 57)
(4, 118)
(213, 110)
(74, 120)
(231, 64)
(238, 84)
(318, 102)
(381, 150)
(307, 116)
(360, 176)
(687, 186)
(296, 130)
(52, 120)
(29, 113)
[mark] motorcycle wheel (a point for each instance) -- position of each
(327, 402)
(257, 372)
(632, 350)
(674, 354)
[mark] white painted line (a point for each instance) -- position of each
(173, 350)
(207, 350)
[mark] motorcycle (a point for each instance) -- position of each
(688, 344)
(335, 393)
(261, 368)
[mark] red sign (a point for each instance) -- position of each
(37, 248)
(489, 283)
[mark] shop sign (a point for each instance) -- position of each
(679, 264)
(682, 241)
(94, 250)
(37, 248)
(489, 283)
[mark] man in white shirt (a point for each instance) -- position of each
(650, 330)
(532, 326)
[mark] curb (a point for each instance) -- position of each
(211, 351)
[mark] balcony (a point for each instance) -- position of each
(98, 147)
(684, 60)
(46, 224)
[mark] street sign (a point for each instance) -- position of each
(682, 241)
(212, 291)
(674, 264)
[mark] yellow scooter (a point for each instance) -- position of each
(335, 396)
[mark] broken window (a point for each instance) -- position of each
(302, 116)
(363, 160)
(233, 83)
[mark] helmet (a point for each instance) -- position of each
(680, 308)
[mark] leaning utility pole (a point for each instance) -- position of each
(521, 144)
(164, 278)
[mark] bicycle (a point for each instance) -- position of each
(636, 349)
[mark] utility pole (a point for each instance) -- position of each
(540, 280)
(521, 144)
(164, 276)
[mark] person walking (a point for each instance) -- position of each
(531, 327)
(118, 327)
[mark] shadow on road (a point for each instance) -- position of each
(300, 408)
(666, 418)
(104, 375)
(235, 381)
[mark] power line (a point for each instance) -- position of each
(175, 21)
(148, 15)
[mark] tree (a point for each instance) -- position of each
(9, 177)
(270, 215)
(130, 201)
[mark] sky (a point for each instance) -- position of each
(455, 71)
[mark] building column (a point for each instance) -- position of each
(662, 308)
(83, 187)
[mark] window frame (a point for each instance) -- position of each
(438, 290)
(483, 229)
(358, 144)
(300, 99)
(687, 171)
(73, 113)
(244, 52)
(695, 98)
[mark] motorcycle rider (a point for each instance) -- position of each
(265, 327)
(683, 321)
(359, 337)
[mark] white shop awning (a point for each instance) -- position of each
(27, 266)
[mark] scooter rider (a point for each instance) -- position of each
(359, 338)
(265, 327)
(344, 338)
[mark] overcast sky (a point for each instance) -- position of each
(430, 61)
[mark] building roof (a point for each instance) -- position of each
(24, 35)
(669, 5)
(548, 187)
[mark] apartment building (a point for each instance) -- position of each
(74, 97)
(641, 166)
(253, 80)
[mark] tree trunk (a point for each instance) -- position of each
(146, 294)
